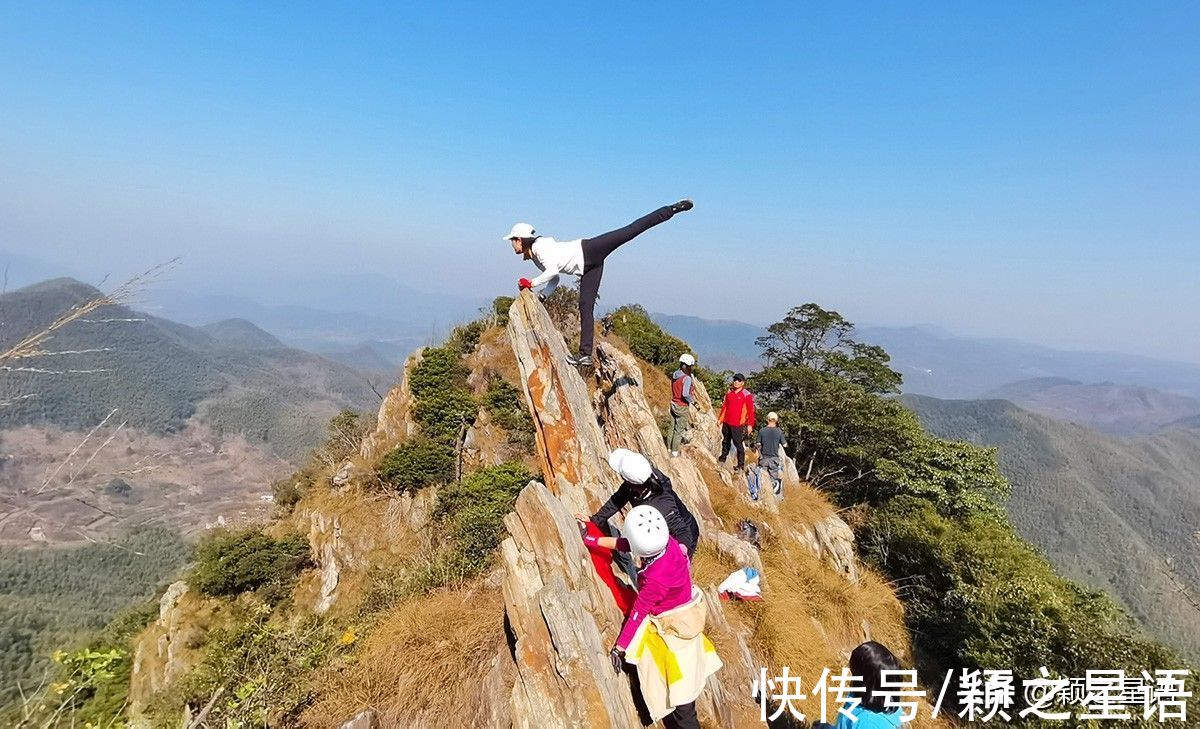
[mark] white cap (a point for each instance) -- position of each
(520, 230)
(633, 467)
(646, 530)
(687, 359)
(772, 416)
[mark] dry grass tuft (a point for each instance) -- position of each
(371, 525)
(494, 357)
(423, 660)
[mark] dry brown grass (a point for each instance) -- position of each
(372, 527)
(812, 617)
(494, 357)
(423, 660)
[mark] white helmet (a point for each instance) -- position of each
(646, 530)
(520, 230)
(687, 359)
(633, 467)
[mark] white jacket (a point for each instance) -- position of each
(554, 258)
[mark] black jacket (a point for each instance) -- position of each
(680, 521)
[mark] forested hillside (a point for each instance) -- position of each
(1118, 514)
(55, 597)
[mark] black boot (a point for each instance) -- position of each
(682, 206)
(579, 360)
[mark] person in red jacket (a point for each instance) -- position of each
(737, 419)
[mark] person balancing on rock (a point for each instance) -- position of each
(663, 636)
(580, 257)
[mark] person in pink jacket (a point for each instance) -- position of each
(664, 583)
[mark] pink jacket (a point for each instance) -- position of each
(665, 584)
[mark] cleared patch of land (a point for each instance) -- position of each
(191, 480)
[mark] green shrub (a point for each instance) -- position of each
(470, 523)
(500, 307)
(506, 405)
(476, 507)
(991, 600)
(263, 666)
(444, 403)
(417, 463)
(465, 338)
(287, 492)
(440, 369)
(443, 414)
(495, 486)
(229, 562)
(976, 595)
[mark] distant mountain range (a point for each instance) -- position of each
(159, 374)
(1104, 406)
(936, 363)
(1119, 514)
(368, 321)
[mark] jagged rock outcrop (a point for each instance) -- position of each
(395, 423)
(562, 617)
(170, 646)
(549, 668)
(569, 442)
(629, 423)
(832, 541)
(349, 536)
(706, 431)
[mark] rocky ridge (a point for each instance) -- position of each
(551, 668)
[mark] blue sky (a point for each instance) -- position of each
(1013, 169)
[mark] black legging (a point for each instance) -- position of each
(684, 717)
(735, 435)
(595, 250)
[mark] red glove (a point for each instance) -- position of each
(524, 284)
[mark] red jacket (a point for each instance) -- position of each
(738, 408)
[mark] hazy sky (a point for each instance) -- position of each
(1022, 170)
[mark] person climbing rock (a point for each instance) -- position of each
(663, 635)
(867, 663)
(580, 257)
(681, 402)
(770, 444)
(737, 420)
(643, 484)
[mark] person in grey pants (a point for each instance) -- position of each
(771, 442)
(681, 402)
